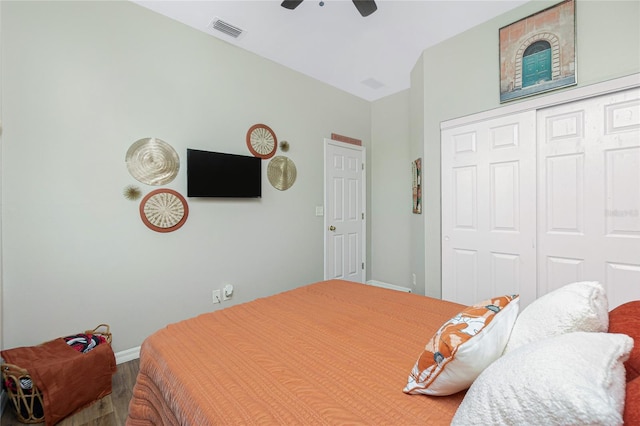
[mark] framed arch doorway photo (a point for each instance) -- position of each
(538, 53)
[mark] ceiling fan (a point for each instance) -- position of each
(365, 7)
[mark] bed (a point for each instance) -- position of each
(333, 352)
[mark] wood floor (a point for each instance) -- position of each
(109, 411)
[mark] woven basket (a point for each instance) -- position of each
(27, 403)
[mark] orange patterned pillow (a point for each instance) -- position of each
(463, 347)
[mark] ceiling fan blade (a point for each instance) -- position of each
(365, 7)
(290, 4)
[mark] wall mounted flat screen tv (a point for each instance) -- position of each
(216, 174)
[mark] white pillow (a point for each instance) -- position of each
(571, 379)
(580, 306)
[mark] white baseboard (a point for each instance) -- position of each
(389, 286)
(127, 355)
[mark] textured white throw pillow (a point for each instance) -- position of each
(580, 306)
(571, 379)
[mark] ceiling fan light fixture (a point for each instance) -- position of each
(291, 4)
(365, 7)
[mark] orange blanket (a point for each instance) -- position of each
(68, 380)
(333, 352)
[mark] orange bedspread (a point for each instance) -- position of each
(333, 352)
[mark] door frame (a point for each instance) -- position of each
(363, 201)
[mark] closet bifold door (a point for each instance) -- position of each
(488, 209)
(589, 194)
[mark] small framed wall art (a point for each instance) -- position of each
(416, 174)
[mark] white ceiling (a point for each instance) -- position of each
(333, 43)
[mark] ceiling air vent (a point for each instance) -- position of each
(225, 27)
(373, 83)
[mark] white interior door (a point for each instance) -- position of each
(344, 224)
(488, 209)
(589, 195)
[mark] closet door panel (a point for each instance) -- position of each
(564, 194)
(620, 145)
(464, 196)
(464, 274)
(623, 283)
(589, 194)
(505, 196)
(622, 192)
(488, 218)
(562, 270)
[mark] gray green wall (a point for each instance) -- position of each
(416, 146)
(82, 81)
(459, 77)
(390, 195)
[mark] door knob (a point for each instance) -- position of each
(332, 228)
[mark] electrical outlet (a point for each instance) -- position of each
(413, 279)
(227, 291)
(216, 296)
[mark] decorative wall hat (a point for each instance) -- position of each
(152, 161)
(262, 141)
(164, 210)
(281, 172)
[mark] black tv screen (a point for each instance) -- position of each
(216, 174)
